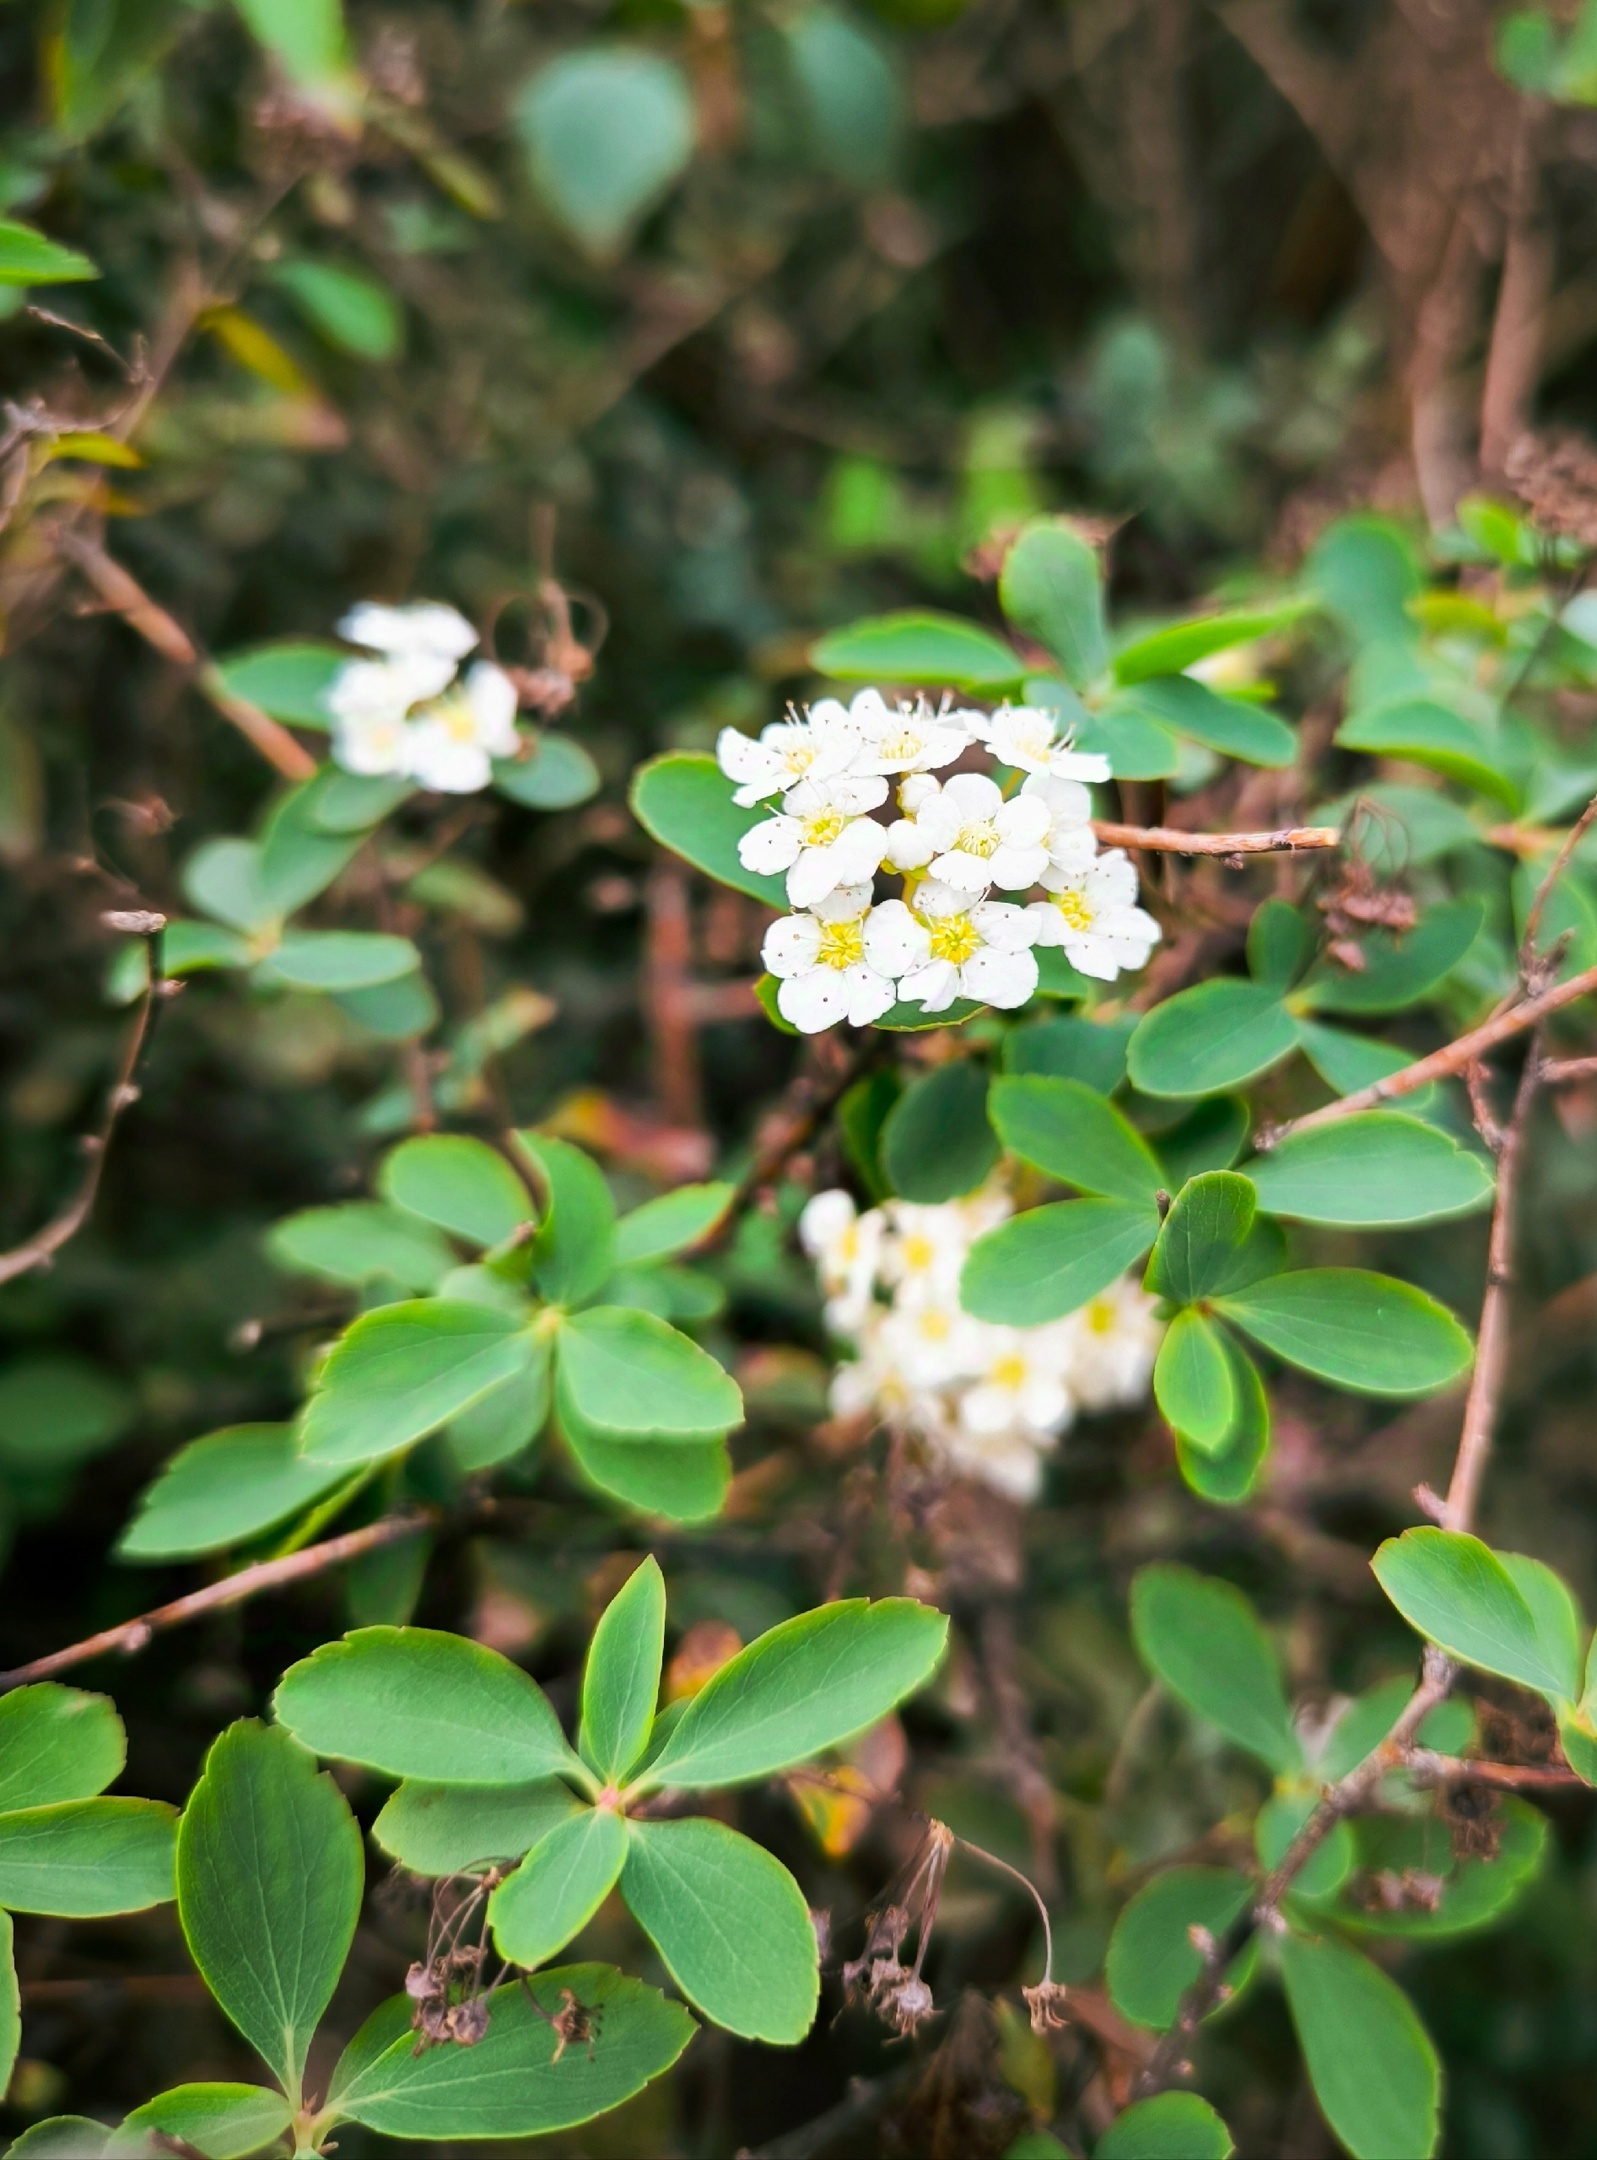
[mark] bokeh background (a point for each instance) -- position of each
(738, 322)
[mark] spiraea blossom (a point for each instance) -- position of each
(409, 712)
(971, 1399)
(960, 838)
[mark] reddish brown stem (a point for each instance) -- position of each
(1168, 840)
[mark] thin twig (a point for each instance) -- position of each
(1444, 1064)
(1559, 1072)
(1555, 871)
(1168, 840)
(1427, 1767)
(133, 1635)
(42, 1247)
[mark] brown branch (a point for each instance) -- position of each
(1448, 1063)
(1427, 1767)
(1168, 840)
(133, 1635)
(1555, 871)
(39, 1250)
(1559, 1072)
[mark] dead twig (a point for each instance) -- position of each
(1168, 840)
(1555, 871)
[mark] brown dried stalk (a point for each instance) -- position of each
(1168, 840)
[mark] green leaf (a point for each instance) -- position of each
(225, 2122)
(1071, 1047)
(305, 36)
(217, 1491)
(1194, 1384)
(1203, 1640)
(187, 946)
(223, 880)
(670, 1223)
(28, 258)
(1209, 1038)
(1376, 1167)
(450, 1829)
(1398, 971)
(290, 681)
(61, 2137)
(627, 1372)
(10, 2004)
(360, 1242)
(56, 1743)
(1370, 1716)
(1051, 1260)
(339, 959)
(1209, 1137)
(1365, 1332)
(861, 1114)
(1052, 590)
(1475, 1891)
(937, 1143)
(300, 858)
(508, 1418)
(1279, 942)
(396, 1011)
(462, 1185)
(806, 1685)
(1369, 2058)
(1152, 1960)
(608, 129)
(917, 647)
(87, 1858)
(558, 775)
(685, 801)
(1460, 1594)
(853, 100)
(269, 1879)
(56, 1412)
(621, 1680)
(683, 1480)
(1137, 746)
(1347, 1062)
(1202, 1237)
(517, 2082)
(558, 1887)
(1422, 732)
(573, 1253)
(353, 313)
(1232, 726)
(1327, 1868)
(421, 1704)
(1228, 1474)
(401, 1372)
(1178, 646)
(730, 1923)
(1069, 1130)
(1170, 2126)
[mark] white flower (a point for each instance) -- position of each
(820, 838)
(1022, 1386)
(924, 1251)
(972, 838)
(1235, 667)
(371, 743)
(1026, 737)
(827, 965)
(1069, 839)
(1092, 913)
(932, 1345)
(1009, 1461)
(875, 1385)
(425, 630)
(845, 1247)
(906, 738)
(818, 745)
(953, 948)
(1114, 1340)
(453, 740)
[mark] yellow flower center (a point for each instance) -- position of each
(799, 757)
(1075, 908)
(954, 937)
(1100, 1317)
(980, 839)
(822, 829)
(918, 1253)
(934, 1326)
(842, 943)
(1010, 1371)
(907, 743)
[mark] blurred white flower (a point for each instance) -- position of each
(932, 1345)
(427, 629)
(971, 838)
(1009, 1460)
(1027, 737)
(1092, 913)
(1022, 1385)
(453, 740)
(1114, 1339)
(817, 745)
(371, 741)
(820, 837)
(924, 1251)
(827, 965)
(846, 1248)
(958, 948)
(906, 738)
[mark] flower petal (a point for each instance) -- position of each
(1005, 979)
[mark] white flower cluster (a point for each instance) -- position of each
(984, 1402)
(843, 955)
(408, 713)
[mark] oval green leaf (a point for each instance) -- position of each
(57, 1743)
(1070, 1131)
(1369, 2059)
(1201, 1240)
(1365, 1332)
(624, 1371)
(226, 1487)
(558, 1887)
(1371, 1169)
(453, 1829)
(1052, 1260)
(937, 1143)
(462, 1185)
(1203, 1640)
(621, 1679)
(917, 647)
(85, 1859)
(1210, 1038)
(401, 1372)
(685, 801)
(1170, 2126)
(1051, 589)
(1458, 1593)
